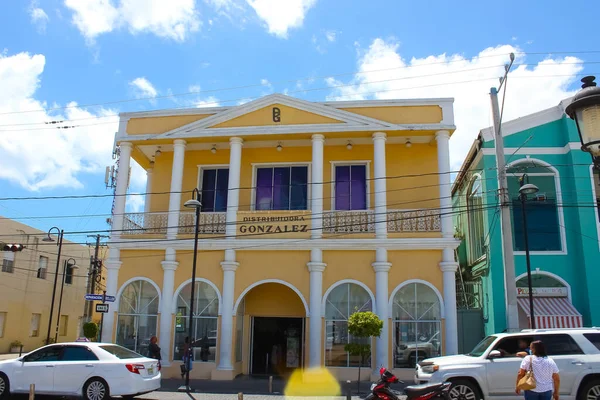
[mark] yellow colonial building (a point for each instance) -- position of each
(310, 211)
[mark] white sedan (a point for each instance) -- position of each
(94, 370)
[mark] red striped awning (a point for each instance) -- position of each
(552, 312)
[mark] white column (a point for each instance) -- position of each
(316, 266)
(382, 267)
(226, 344)
(121, 188)
(316, 198)
(148, 196)
(113, 264)
(166, 310)
(449, 281)
(379, 172)
(448, 264)
(443, 153)
(176, 184)
(233, 197)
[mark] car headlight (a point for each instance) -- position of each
(430, 368)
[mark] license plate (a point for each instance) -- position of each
(373, 386)
(150, 371)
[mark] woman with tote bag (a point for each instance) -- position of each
(538, 376)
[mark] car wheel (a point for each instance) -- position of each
(591, 391)
(462, 389)
(95, 389)
(4, 387)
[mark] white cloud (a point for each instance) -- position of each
(173, 19)
(38, 16)
(143, 88)
(40, 156)
(467, 80)
(207, 102)
(331, 36)
(281, 16)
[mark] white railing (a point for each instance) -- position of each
(156, 223)
(398, 221)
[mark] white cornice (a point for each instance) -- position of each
(525, 151)
(173, 112)
(289, 244)
(389, 103)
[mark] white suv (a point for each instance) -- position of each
(490, 370)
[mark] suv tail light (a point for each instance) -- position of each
(134, 368)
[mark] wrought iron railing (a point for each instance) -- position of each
(398, 221)
(157, 223)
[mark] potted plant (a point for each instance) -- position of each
(15, 346)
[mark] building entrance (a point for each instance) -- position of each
(277, 344)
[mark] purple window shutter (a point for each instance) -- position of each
(281, 188)
(264, 189)
(358, 187)
(209, 178)
(342, 188)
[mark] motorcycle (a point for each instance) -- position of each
(381, 389)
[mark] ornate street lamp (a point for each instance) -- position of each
(194, 203)
(68, 266)
(525, 190)
(585, 110)
(59, 244)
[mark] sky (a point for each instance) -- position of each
(84, 61)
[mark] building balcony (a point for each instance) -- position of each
(285, 223)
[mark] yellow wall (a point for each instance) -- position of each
(349, 265)
(273, 300)
(149, 125)
(288, 115)
(401, 114)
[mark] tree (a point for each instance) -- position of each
(362, 325)
(90, 330)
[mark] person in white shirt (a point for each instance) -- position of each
(545, 373)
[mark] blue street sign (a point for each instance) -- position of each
(92, 297)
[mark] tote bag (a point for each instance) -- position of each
(527, 382)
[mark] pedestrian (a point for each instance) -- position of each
(187, 357)
(545, 382)
(154, 349)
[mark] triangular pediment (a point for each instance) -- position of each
(275, 112)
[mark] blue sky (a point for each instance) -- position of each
(58, 53)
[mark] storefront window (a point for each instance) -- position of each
(417, 325)
(204, 326)
(343, 301)
(138, 316)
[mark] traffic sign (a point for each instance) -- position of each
(102, 308)
(92, 297)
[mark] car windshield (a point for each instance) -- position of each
(121, 352)
(482, 346)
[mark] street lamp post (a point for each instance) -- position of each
(66, 266)
(525, 190)
(194, 203)
(59, 244)
(585, 110)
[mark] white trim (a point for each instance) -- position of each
(368, 180)
(390, 103)
(290, 244)
(594, 194)
(341, 282)
(559, 202)
(255, 166)
(185, 283)
(524, 151)
(284, 283)
(408, 282)
(551, 275)
(117, 302)
(173, 112)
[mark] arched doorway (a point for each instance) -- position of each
(274, 312)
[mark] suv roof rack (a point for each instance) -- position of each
(560, 329)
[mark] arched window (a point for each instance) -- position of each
(206, 311)
(416, 311)
(476, 238)
(543, 227)
(342, 301)
(138, 316)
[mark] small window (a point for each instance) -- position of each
(2, 322)
(8, 263)
(594, 338)
(42, 267)
(47, 354)
(351, 187)
(215, 185)
(78, 353)
(34, 328)
(64, 325)
(120, 352)
(69, 274)
(511, 346)
(560, 345)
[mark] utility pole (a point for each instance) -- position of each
(510, 285)
(93, 274)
